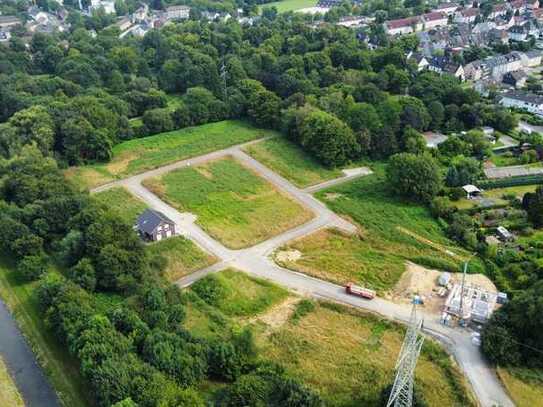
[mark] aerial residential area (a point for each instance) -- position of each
(298, 203)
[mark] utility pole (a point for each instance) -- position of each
(224, 74)
(402, 390)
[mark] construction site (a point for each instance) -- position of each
(457, 298)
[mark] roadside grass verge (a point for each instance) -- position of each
(392, 231)
(138, 155)
(233, 204)
(525, 386)
(182, 257)
(126, 205)
(349, 357)
(61, 369)
(291, 162)
(237, 294)
(290, 5)
(9, 394)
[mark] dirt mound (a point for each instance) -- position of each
(288, 256)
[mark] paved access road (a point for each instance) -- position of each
(256, 260)
(22, 365)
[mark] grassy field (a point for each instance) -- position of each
(232, 203)
(525, 386)
(182, 257)
(290, 5)
(344, 354)
(519, 191)
(60, 367)
(291, 162)
(138, 155)
(241, 295)
(123, 202)
(392, 231)
(349, 357)
(9, 395)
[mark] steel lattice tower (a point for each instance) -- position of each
(402, 390)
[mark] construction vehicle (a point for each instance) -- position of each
(354, 289)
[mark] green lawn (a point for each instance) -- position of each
(392, 231)
(182, 257)
(232, 203)
(519, 191)
(240, 295)
(290, 5)
(290, 161)
(349, 358)
(9, 394)
(122, 202)
(138, 155)
(59, 366)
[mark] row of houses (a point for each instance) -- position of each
(448, 13)
(509, 68)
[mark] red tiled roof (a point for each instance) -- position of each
(469, 12)
(434, 16)
(403, 22)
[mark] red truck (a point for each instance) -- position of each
(354, 289)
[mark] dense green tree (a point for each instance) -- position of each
(329, 139)
(414, 176)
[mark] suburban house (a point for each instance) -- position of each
(523, 100)
(154, 226)
(466, 15)
(418, 59)
(177, 12)
(447, 8)
(403, 25)
(498, 10)
(434, 19)
(516, 79)
(445, 64)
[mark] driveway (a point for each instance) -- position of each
(256, 260)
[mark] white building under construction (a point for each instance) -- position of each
(472, 303)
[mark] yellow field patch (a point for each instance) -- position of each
(9, 395)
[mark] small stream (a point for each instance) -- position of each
(22, 365)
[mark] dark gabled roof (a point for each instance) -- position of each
(149, 220)
(524, 97)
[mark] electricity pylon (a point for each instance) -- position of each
(402, 390)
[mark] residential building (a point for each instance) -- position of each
(403, 26)
(523, 100)
(418, 59)
(447, 8)
(177, 12)
(445, 64)
(516, 79)
(154, 225)
(466, 15)
(434, 19)
(532, 58)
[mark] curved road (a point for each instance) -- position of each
(256, 260)
(22, 365)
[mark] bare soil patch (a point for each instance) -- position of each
(288, 255)
(278, 315)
